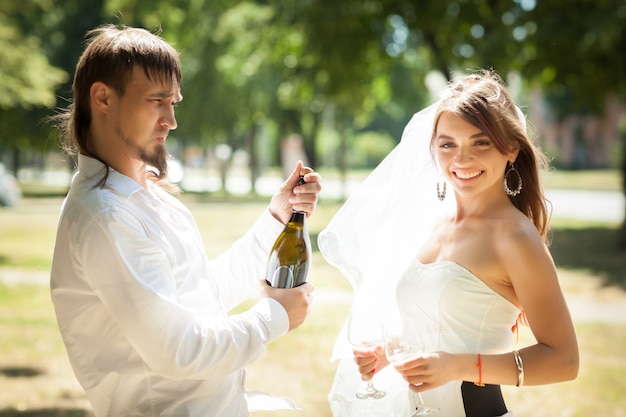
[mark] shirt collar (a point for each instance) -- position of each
(93, 169)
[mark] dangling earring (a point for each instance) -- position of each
(518, 189)
(441, 194)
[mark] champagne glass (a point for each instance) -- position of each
(365, 333)
(402, 343)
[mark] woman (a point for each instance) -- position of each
(468, 271)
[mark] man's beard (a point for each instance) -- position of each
(157, 159)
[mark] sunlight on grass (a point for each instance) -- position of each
(27, 233)
(296, 365)
(598, 390)
(34, 370)
(598, 179)
(27, 325)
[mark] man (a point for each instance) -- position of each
(142, 311)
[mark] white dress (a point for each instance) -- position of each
(455, 312)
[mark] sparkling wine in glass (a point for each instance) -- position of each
(365, 333)
(402, 343)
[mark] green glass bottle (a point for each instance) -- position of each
(290, 257)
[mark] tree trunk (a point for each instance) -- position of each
(15, 161)
(310, 145)
(342, 159)
(622, 238)
(253, 164)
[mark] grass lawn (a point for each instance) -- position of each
(598, 179)
(35, 374)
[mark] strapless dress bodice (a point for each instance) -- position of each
(455, 312)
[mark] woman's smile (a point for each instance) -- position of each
(466, 175)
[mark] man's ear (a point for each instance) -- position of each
(100, 95)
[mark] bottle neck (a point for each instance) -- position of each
(294, 212)
(297, 216)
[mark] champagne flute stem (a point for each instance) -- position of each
(421, 409)
(370, 392)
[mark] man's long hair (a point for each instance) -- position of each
(110, 57)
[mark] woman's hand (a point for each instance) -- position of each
(428, 371)
(369, 361)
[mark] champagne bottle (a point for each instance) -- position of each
(290, 257)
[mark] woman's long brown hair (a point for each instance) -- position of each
(482, 100)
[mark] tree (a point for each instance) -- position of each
(225, 67)
(27, 81)
(280, 63)
(564, 48)
(579, 55)
(26, 77)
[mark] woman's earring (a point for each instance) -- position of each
(512, 171)
(441, 193)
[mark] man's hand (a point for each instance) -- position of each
(296, 301)
(290, 195)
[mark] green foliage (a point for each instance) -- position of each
(40, 41)
(301, 66)
(26, 77)
(576, 56)
(370, 148)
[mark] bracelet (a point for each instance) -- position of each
(520, 368)
(479, 365)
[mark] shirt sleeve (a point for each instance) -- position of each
(133, 279)
(253, 247)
